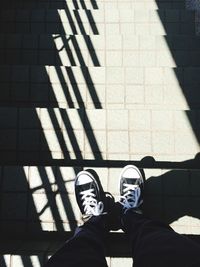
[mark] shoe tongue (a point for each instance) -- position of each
(85, 186)
(131, 180)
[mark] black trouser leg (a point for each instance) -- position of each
(85, 248)
(155, 244)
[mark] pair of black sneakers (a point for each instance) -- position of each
(92, 202)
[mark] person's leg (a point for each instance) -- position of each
(86, 247)
(155, 244)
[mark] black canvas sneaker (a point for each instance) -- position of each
(131, 188)
(88, 195)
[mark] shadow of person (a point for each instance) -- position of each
(174, 193)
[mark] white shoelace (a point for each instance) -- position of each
(91, 206)
(131, 196)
